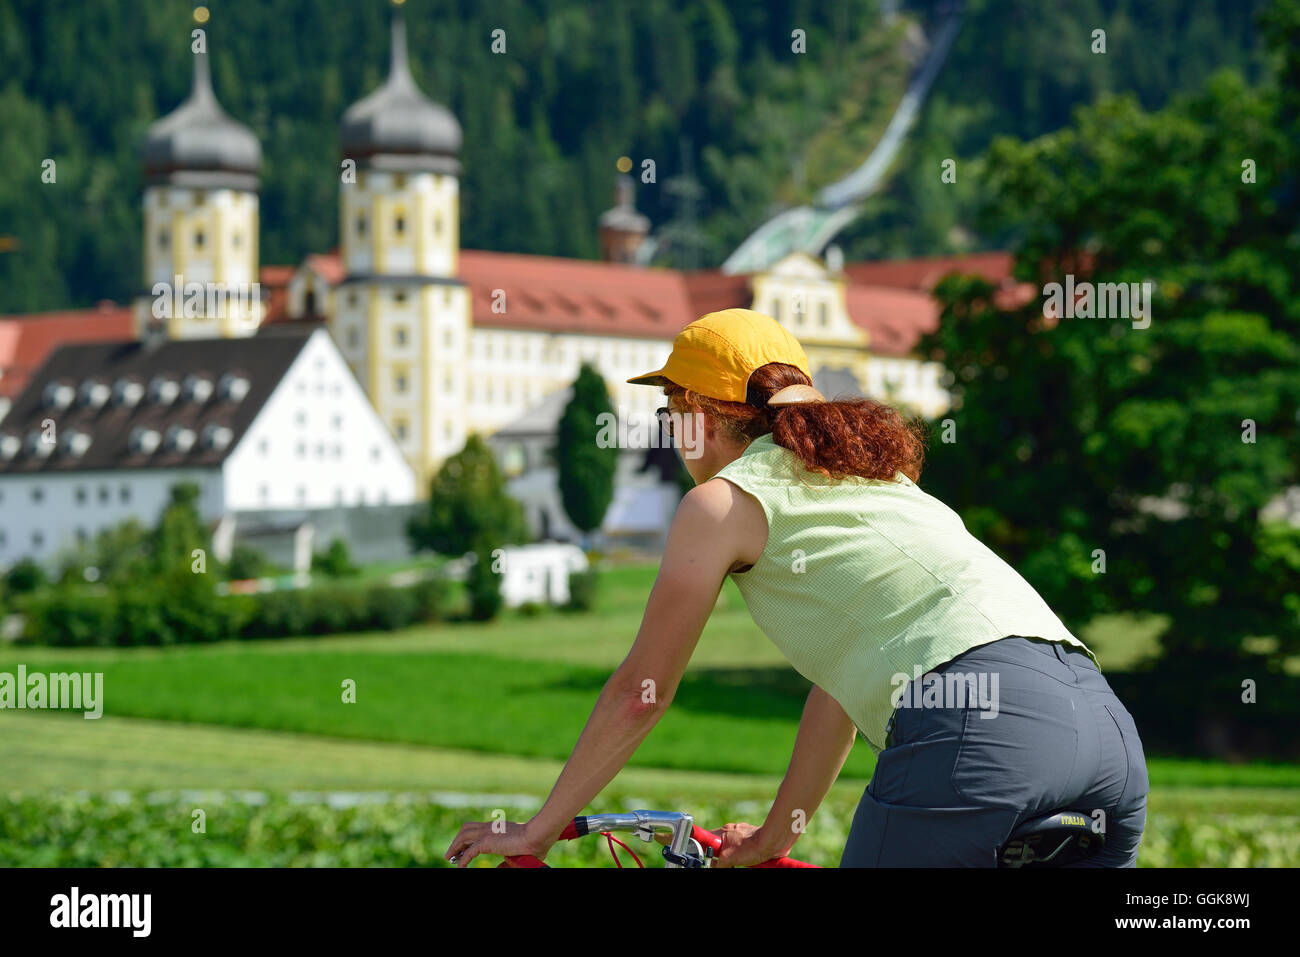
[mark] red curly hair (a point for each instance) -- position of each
(836, 439)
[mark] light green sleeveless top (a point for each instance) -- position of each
(862, 580)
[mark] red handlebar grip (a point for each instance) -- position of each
(709, 839)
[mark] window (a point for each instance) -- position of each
(124, 493)
(374, 453)
(446, 338)
(81, 536)
(164, 238)
(399, 224)
(200, 197)
(302, 494)
(263, 446)
(337, 422)
(399, 181)
(776, 309)
(399, 383)
(199, 239)
(446, 428)
(338, 495)
(437, 224)
(38, 494)
(446, 383)
(361, 225)
(401, 430)
(399, 296)
(237, 239)
(301, 417)
(352, 338)
(81, 495)
(302, 450)
(352, 299)
(38, 539)
(823, 315)
(320, 450)
(263, 493)
(399, 335)
(104, 494)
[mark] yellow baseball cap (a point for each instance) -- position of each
(716, 354)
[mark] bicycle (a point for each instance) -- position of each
(1052, 840)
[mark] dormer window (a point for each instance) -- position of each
(59, 395)
(94, 393)
(10, 446)
(36, 444)
(144, 441)
(216, 436)
(180, 439)
(233, 387)
(75, 443)
(164, 390)
(197, 388)
(127, 392)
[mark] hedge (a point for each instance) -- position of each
(185, 612)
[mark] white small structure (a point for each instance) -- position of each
(538, 573)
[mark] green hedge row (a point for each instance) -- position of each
(188, 611)
(77, 831)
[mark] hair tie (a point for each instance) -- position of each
(794, 395)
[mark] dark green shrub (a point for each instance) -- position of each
(391, 608)
(25, 577)
(483, 586)
(430, 599)
(582, 590)
(247, 562)
(71, 617)
(336, 561)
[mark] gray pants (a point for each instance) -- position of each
(951, 785)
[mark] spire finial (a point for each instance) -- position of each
(399, 68)
(202, 71)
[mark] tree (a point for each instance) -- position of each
(335, 561)
(469, 507)
(1083, 441)
(586, 471)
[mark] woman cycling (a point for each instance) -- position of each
(982, 708)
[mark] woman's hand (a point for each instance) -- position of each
(478, 837)
(744, 845)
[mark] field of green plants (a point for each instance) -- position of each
(456, 720)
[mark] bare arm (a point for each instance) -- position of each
(825, 738)
(712, 531)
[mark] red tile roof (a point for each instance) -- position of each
(275, 281)
(27, 340)
(924, 273)
(549, 294)
(894, 319)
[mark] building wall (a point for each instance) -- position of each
(317, 443)
(45, 513)
(511, 370)
(204, 236)
(400, 224)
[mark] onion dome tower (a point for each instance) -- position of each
(401, 316)
(200, 217)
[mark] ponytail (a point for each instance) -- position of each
(837, 439)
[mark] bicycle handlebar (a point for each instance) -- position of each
(578, 828)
